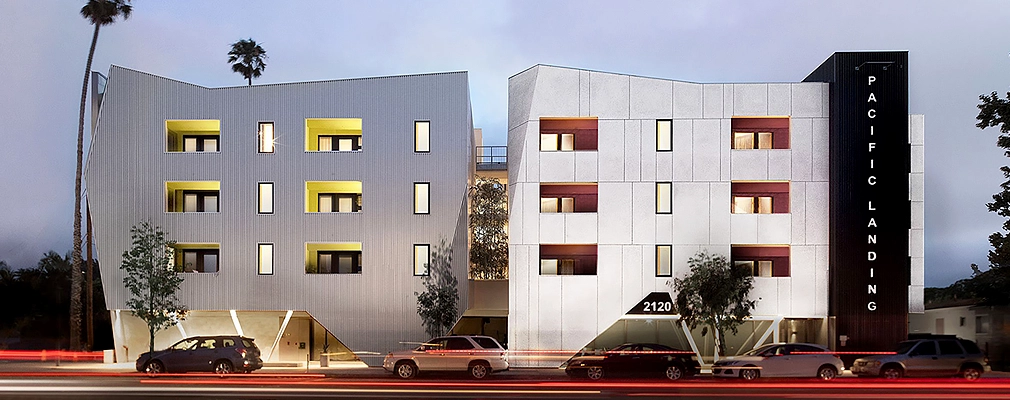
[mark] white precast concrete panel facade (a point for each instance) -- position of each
(551, 312)
(130, 165)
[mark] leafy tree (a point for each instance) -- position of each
(714, 293)
(98, 13)
(991, 286)
(489, 247)
(152, 280)
(247, 58)
(438, 304)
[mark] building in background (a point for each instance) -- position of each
(305, 213)
(616, 180)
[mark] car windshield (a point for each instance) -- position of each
(760, 350)
(905, 346)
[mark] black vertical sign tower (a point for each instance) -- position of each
(869, 214)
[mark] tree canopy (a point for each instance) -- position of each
(991, 286)
(152, 280)
(489, 247)
(247, 58)
(714, 293)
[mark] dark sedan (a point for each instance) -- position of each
(635, 360)
(220, 354)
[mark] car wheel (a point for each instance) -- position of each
(891, 372)
(223, 367)
(971, 373)
(749, 373)
(406, 370)
(595, 372)
(827, 373)
(479, 370)
(154, 367)
(674, 372)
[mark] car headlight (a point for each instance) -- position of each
(876, 363)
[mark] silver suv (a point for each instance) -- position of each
(939, 355)
(478, 355)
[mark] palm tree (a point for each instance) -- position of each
(250, 57)
(98, 13)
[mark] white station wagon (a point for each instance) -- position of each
(781, 360)
(478, 355)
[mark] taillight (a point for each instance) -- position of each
(241, 352)
(837, 356)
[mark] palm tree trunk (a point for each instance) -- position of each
(75, 273)
(250, 79)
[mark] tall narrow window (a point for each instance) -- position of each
(422, 257)
(421, 136)
(266, 137)
(664, 135)
(421, 200)
(664, 254)
(266, 259)
(266, 198)
(664, 198)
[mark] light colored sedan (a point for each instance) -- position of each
(477, 355)
(781, 360)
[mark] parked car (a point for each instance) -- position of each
(634, 359)
(478, 355)
(220, 354)
(941, 355)
(781, 360)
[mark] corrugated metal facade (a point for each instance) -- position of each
(371, 311)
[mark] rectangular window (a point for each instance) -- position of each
(192, 136)
(664, 255)
(568, 197)
(266, 137)
(752, 205)
(760, 133)
(762, 260)
(196, 257)
(199, 201)
(422, 139)
(568, 134)
(326, 143)
(557, 204)
(266, 198)
(568, 259)
(664, 135)
(338, 262)
(982, 324)
(265, 259)
(192, 196)
(664, 198)
(764, 197)
(332, 134)
(421, 199)
(422, 258)
(333, 196)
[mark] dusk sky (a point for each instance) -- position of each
(957, 51)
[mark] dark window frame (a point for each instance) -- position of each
(259, 204)
(335, 267)
(671, 136)
(259, 137)
(428, 144)
(201, 143)
(428, 199)
(669, 267)
(427, 268)
(259, 261)
(669, 198)
(201, 196)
